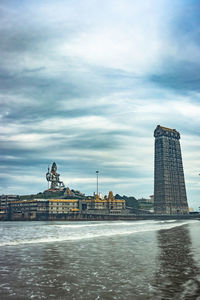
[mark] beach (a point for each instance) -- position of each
(149, 259)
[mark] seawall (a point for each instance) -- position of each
(94, 217)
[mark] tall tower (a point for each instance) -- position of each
(169, 183)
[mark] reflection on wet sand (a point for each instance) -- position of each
(178, 276)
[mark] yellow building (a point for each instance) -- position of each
(44, 208)
(115, 205)
(63, 206)
(32, 209)
(110, 204)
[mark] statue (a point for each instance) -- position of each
(53, 177)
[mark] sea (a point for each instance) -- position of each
(103, 260)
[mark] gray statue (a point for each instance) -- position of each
(53, 177)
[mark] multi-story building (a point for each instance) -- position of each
(53, 208)
(63, 206)
(169, 184)
(42, 208)
(23, 209)
(107, 204)
(146, 204)
(5, 200)
(115, 205)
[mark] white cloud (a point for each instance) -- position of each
(126, 38)
(92, 123)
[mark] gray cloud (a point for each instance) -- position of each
(180, 67)
(86, 87)
(181, 76)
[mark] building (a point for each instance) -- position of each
(42, 208)
(146, 204)
(104, 204)
(115, 205)
(53, 209)
(28, 209)
(5, 200)
(169, 184)
(63, 206)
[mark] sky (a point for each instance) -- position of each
(84, 83)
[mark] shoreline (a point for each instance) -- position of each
(97, 217)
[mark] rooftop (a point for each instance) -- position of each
(166, 128)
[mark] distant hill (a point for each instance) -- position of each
(54, 194)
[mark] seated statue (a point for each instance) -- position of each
(53, 177)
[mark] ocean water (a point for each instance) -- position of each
(100, 260)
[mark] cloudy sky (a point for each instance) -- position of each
(84, 83)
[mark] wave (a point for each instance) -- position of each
(74, 236)
(114, 223)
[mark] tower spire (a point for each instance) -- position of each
(169, 183)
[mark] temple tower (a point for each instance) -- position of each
(169, 183)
